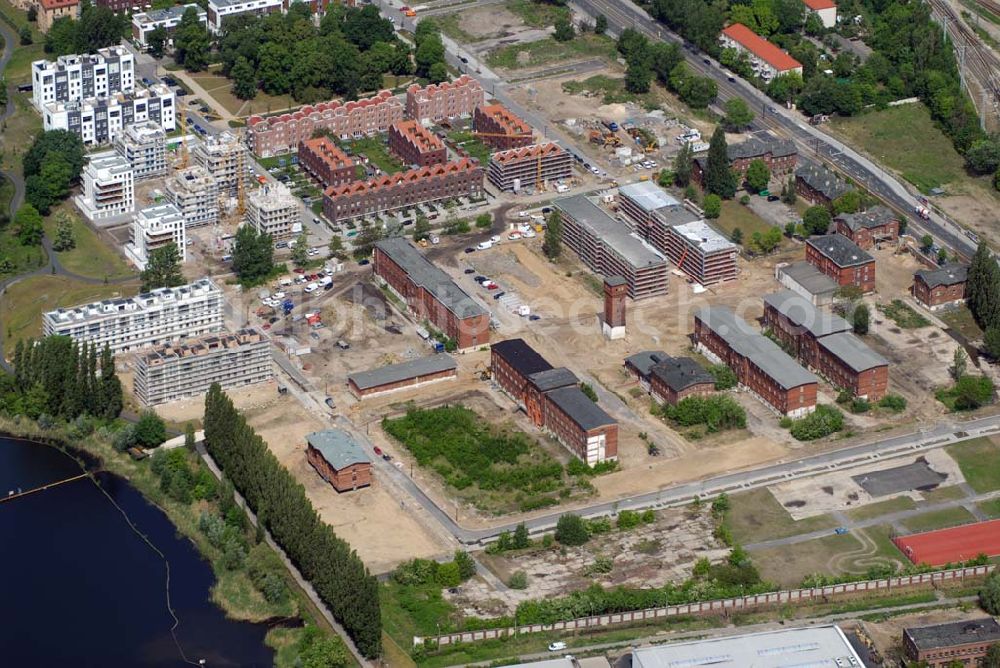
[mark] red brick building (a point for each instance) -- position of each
(438, 102)
(842, 260)
(818, 185)
(824, 342)
(552, 399)
(495, 119)
(402, 376)
(430, 294)
(939, 287)
(941, 645)
(325, 161)
(274, 135)
(669, 379)
(339, 459)
(416, 145)
(761, 367)
(779, 155)
(868, 228)
(461, 178)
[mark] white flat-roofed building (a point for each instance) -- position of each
(273, 209)
(224, 157)
(78, 77)
(155, 227)
(108, 187)
(144, 23)
(162, 316)
(99, 120)
(177, 370)
(218, 10)
(196, 194)
(144, 145)
(702, 253)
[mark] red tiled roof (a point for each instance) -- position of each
(817, 5)
(534, 151)
(327, 151)
(418, 135)
(511, 124)
(761, 48)
(410, 176)
(380, 98)
(430, 89)
(58, 4)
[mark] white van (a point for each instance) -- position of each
(484, 245)
(312, 287)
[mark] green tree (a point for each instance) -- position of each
(189, 440)
(108, 397)
(552, 244)
(24, 35)
(244, 79)
(850, 202)
(64, 240)
(816, 220)
(571, 530)
(712, 206)
(736, 236)
(991, 342)
(150, 431)
(253, 255)
(564, 31)
(758, 175)
(788, 193)
(989, 595)
(738, 114)
(466, 565)
(719, 177)
(600, 24)
(982, 288)
(336, 247)
(638, 77)
(32, 14)
(300, 251)
(926, 243)
(959, 364)
(29, 226)
(983, 157)
(163, 269)
(157, 41)
(860, 317)
(484, 220)
(992, 658)
(683, 165)
(421, 228)
(51, 143)
(521, 540)
(366, 239)
(191, 42)
(317, 650)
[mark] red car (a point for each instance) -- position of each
(378, 451)
(299, 270)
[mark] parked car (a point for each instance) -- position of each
(499, 295)
(329, 400)
(534, 317)
(378, 451)
(470, 249)
(364, 261)
(386, 456)
(299, 270)
(773, 198)
(557, 646)
(470, 271)
(480, 279)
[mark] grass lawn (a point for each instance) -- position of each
(979, 460)
(471, 145)
(882, 508)
(19, 66)
(19, 132)
(377, 152)
(757, 516)
(905, 139)
(940, 494)
(991, 508)
(548, 50)
(939, 519)
(788, 565)
(22, 259)
(221, 90)
(21, 307)
(960, 319)
(537, 14)
(611, 89)
(91, 257)
(735, 215)
(903, 315)
(450, 26)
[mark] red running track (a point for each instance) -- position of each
(953, 545)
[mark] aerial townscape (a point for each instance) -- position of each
(553, 333)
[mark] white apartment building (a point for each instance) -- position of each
(196, 194)
(826, 10)
(144, 23)
(225, 157)
(273, 210)
(144, 145)
(75, 78)
(161, 316)
(108, 187)
(155, 227)
(174, 371)
(220, 9)
(100, 120)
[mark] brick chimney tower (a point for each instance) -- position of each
(615, 291)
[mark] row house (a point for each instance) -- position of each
(415, 145)
(325, 160)
(500, 129)
(443, 101)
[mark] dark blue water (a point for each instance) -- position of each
(80, 588)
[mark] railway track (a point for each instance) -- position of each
(989, 6)
(981, 63)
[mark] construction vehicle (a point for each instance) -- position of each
(645, 139)
(483, 372)
(605, 139)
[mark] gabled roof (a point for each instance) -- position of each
(550, 379)
(761, 48)
(336, 106)
(756, 147)
(520, 356)
(394, 373)
(580, 409)
(338, 448)
(646, 360)
(841, 250)
(526, 152)
(415, 133)
(802, 313)
(950, 274)
(511, 124)
(680, 373)
(821, 179)
(875, 217)
(852, 351)
(817, 5)
(410, 176)
(983, 630)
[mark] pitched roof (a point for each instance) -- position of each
(821, 179)
(756, 147)
(335, 106)
(327, 151)
(949, 274)
(338, 448)
(817, 5)
(511, 124)
(50, 5)
(646, 360)
(647, 195)
(982, 630)
(394, 373)
(877, 216)
(840, 249)
(852, 351)
(580, 409)
(802, 313)
(551, 379)
(680, 373)
(410, 176)
(760, 47)
(416, 134)
(526, 152)
(520, 356)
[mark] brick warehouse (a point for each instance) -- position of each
(553, 400)
(461, 178)
(339, 459)
(438, 102)
(496, 119)
(868, 228)
(824, 342)
(402, 376)
(965, 641)
(818, 185)
(779, 155)
(669, 379)
(416, 145)
(430, 294)
(842, 260)
(761, 367)
(939, 287)
(529, 166)
(279, 134)
(325, 161)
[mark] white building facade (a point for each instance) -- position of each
(101, 120)
(74, 78)
(155, 227)
(144, 23)
(274, 210)
(144, 145)
(218, 10)
(108, 187)
(196, 194)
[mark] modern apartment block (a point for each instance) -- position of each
(389, 192)
(144, 145)
(761, 367)
(161, 316)
(553, 400)
(195, 192)
(766, 59)
(842, 260)
(173, 371)
(944, 286)
(450, 99)
(326, 162)
(701, 252)
(824, 342)
(100, 120)
(500, 128)
(529, 166)
(225, 157)
(219, 10)
(272, 209)
(108, 187)
(640, 200)
(144, 23)
(80, 77)
(868, 228)
(274, 135)
(415, 145)
(608, 247)
(155, 227)
(430, 294)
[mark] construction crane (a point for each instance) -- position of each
(183, 161)
(515, 135)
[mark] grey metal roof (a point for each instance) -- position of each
(647, 195)
(394, 373)
(756, 347)
(852, 351)
(981, 630)
(551, 379)
(810, 278)
(645, 360)
(680, 373)
(675, 215)
(802, 313)
(584, 412)
(338, 448)
(615, 235)
(756, 147)
(840, 249)
(821, 179)
(705, 237)
(432, 279)
(877, 216)
(520, 356)
(949, 274)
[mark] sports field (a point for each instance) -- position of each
(953, 545)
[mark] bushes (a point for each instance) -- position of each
(178, 480)
(824, 421)
(425, 571)
(717, 413)
(725, 378)
(519, 580)
(968, 393)
(893, 402)
(571, 530)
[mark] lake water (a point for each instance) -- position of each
(80, 588)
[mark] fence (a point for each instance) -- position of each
(724, 606)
